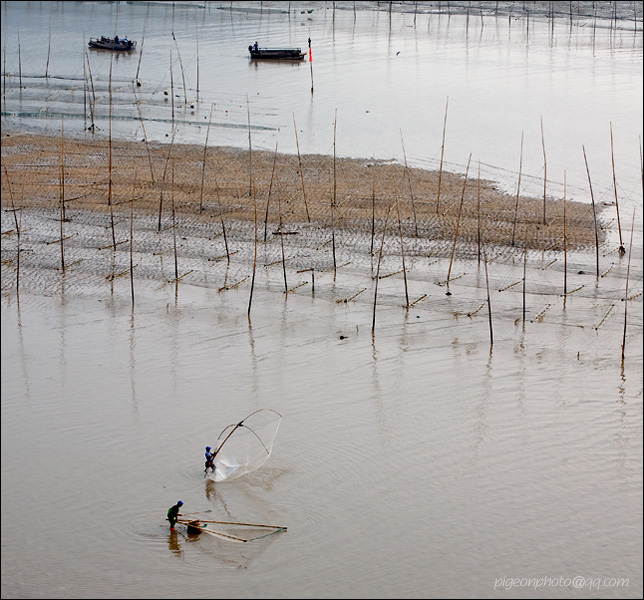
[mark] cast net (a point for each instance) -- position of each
(245, 446)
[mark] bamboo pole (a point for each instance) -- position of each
(250, 152)
(622, 250)
(489, 303)
(628, 270)
(565, 238)
(109, 183)
(516, 204)
(333, 202)
(311, 64)
(375, 295)
(138, 66)
(402, 249)
(92, 102)
(279, 213)
(440, 169)
(545, 172)
(62, 195)
(172, 88)
(458, 222)
(174, 229)
(19, 63)
(411, 189)
(525, 260)
(183, 73)
(299, 158)
(373, 215)
(478, 214)
(18, 229)
(197, 39)
(132, 240)
(145, 137)
(165, 172)
(270, 189)
(592, 198)
(203, 162)
(252, 283)
(48, 52)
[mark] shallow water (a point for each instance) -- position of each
(417, 463)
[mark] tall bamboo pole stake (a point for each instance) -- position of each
(279, 212)
(48, 52)
(19, 63)
(250, 152)
(478, 214)
(183, 74)
(165, 172)
(525, 261)
(333, 202)
(440, 169)
(145, 137)
(197, 38)
(132, 240)
(545, 171)
(299, 158)
(411, 189)
(402, 250)
(458, 222)
(252, 284)
(375, 294)
(311, 64)
(62, 195)
(174, 230)
(565, 238)
(270, 190)
(138, 66)
(628, 269)
(489, 303)
(622, 250)
(172, 88)
(84, 95)
(92, 102)
(203, 162)
(373, 214)
(592, 198)
(516, 204)
(18, 228)
(110, 191)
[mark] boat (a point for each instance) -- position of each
(115, 43)
(276, 53)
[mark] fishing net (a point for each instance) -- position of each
(245, 446)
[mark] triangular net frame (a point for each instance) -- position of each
(246, 446)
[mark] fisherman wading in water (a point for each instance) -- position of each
(174, 514)
(210, 461)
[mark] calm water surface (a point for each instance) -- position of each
(418, 464)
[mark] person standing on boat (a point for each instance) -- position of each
(256, 47)
(174, 514)
(210, 460)
(116, 39)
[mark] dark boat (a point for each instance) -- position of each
(115, 43)
(276, 53)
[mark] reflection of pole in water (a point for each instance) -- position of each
(628, 269)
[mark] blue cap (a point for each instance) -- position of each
(180, 503)
(208, 448)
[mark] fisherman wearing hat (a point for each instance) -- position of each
(210, 460)
(174, 514)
